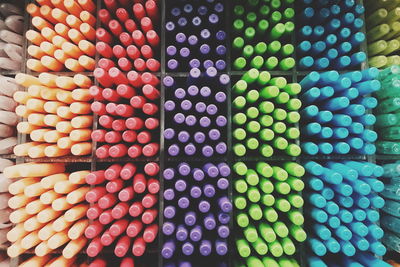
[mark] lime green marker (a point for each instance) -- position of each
(250, 233)
(253, 195)
(296, 217)
(270, 262)
(260, 247)
(266, 185)
(240, 186)
(239, 134)
(243, 248)
(271, 63)
(252, 177)
(266, 232)
(268, 200)
(298, 233)
(254, 262)
(275, 248)
(255, 212)
(240, 202)
(288, 246)
(242, 220)
(270, 214)
(280, 229)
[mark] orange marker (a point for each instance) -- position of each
(64, 127)
(49, 94)
(48, 79)
(22, 150)
(61, 262)
(26, 80)
(61, 224)
(35, 207)
(73, 7)
(73, 64)
(25, 127)
(44, 2)
(39, 23)
(81, 95)
(53, 106)
(61, 56)
(35, 51)
(80, 122)
(16, 232)
(19, 201)
(53, 151)
(87, 47)
(48, 48)
(34, 37)
(35, 261)
(72, 50)
(39, 169)
(48, 215)
(32, 224)
(80, 108)
(59, 15)
(15, 249)
(78, 177)
(61, 29)
(37, 151)
(46, 232)
(87, 30)
(58, 41)
(76, 212)
(60, 204)
(87, 17)
(38, 135)
(78, 195)
(21, 97)
(48, 197)
(65, 143)
(87, 5)
(57, 240)
(64, 187)
(36, 104)
(64, 96)
(75, 35)
(48, 182)
(42, 249)
(48, 33)
(81, 149)
(52, 63)
(82, 81)
(31, 240)
(65, 113)
(36, 119)
(34, 91)
(18, 186)
(34, 190)
(53, 136)
(46, 12)
(80, 135)
(22, 111)
(73, 21)
(78, 229)
(87, 62)
(36, 65)
(64, 82)
(19, 216)
(59, 4)
(33, 10)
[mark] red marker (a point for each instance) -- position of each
(151, 92)
(94, 247)
(150, 108)
(103, 35)
(126, 194)
(136, 209)
(139, 247)
(94, 229)
(138, 38)
(112, 172)
(122, 246)
(153, 64)
(118, 227)
(149, 200)
(102, 152)
(150, 233)
(133, 52)
(118, 151)
(118, 76)
(94, 212)
(134, 123)
(95, 177)
(122, 14)
(104, 49)
(95, 194)
(113, 137)
(146, 24)
(130, 25)
(134, 228)
(152, 38)
(111, 5)
(134, 78)
(119, 51)
(98, 108)
(150, 78)
(106, 121)
(151, 123)
(96, 92)
(152, 10)
(127, 262)
(106, 217)
(126, 91)
(124, 110)
(153, 186)
(114, 186)
(135, 151)
(111, 95)
(126, 39)
(107, 201)
(106, 238)
(111, 107)
(119, 125)
(139, 11)
(149, 216)
(140, 64)
(104, 15)
(138, 101)
(150, 150)
(115, 27)
(125, 64)
(98, 135)
(120, 210)
(146, 51)
(102, 77)
(106, 63)
(151, 169)
(98, 262)
(144, 137)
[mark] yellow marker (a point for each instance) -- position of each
(19, 201)
(34, 91)
(35, 207)
(49, 93)
(18, 186)
(25, 127)
(58, 41)
(60, 204)
(64, 127)
(22, 111)
(81, 149)
(87, 63)
(54, 151)
(21, 97)
(48, 197)
(46, 232)
(64, 187)
(36, 119)
(80, 108)
(78, 229)
(65, 96)
(52, 63)
(61, 262)
(48, 215)
(48, 33)
(34, 190)
(32, 224)
(37, 151)
(26, 80)
(35, 51)
(76, 212)
(78, 195)
(57, 240)
(52, 106)
(17, 232)
(22, 150)
(48, 182)
(36, 65)
(42, 249)
(72, 50)
(61, 224)
(53, 136)
(34, 37)
(78, 177)
(65, 143)
(74, 247)
(36, 105)
(30, 240)
(82, 81)
(52, 120)
(61, 56)
(80, 135)
(80, 122)
(73, 64)
(65, 112)
(19, 216)
(40, 169)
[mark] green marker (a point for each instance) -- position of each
(239, 102)
(277, 31)
(242, 220)
(239, 150)
(269, 92)
(264, 10)
(257, 62)
(293, 117)
(250, 233)
(260, 247)
(252, 177)
(264, 169)
(254, 262)
(295, 200)
(240, 202)
(239, 134)
(268, 200)
(262, 27)
(292, 89)
(266, 135)
(293, 104)
(298, 233)
(296, 217)
(251, 75)
(239, 118)
(266, 186)
(287, 50)
(270, 214)
(293, 150)
(238, 25)
(280, 82)
(288, 246)
(280, 229)
(260, 48)
(271, 63)
(276, 16)
(282, 204)
(295, 183)
(253, 194)
(238, 43)
(252, 96)
(248, 51)
(263, 78)
(252, 143)
(283, 188)
(243, 248)
(279, 114)
(294, 169)
(274, 47)
(249, 33)
(252, 113)
(266, 232)
(270, 262)
(238, 10)
(253, 126)
(239, 63)
(275, 248)
(240, 186)
(266, 120)
(251, 17)
(279, 127)
(255, 212)
(280, 143)
(288, 13)
(292, 133)
(282, 98)
(287, 63)
(240, 87)
(279, 173)
(240, 168)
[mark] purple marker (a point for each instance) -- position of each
(168, 228)
(186, 105)
(205, 34)
(169, 105)
(182, 22)
(171, 50)
(224, 169)
(220, 64)
(223, 183)
(183, 136)
(193, 40)
(176, 11)
(211, 170)
(196, 21)
(190, 120)
(173, 150)
(195, 63)
(202, 10)
(190, 218)
(207, 151)
(169, 174)
(221, 121)
(200, 107)
(183, 202)
(180, 93)
(184, 169)
(205, 122)
(190, 149)
(169, 212)
(211, 72)
(194, 73)
(205, 247)
(181, 233)
(214, 134)
(204, 206)
(168, 249)
(198, 174)
(223, 231)
(220, 97)
(221, 50)
(195, 192)
(205, 49)
(225, 204)
(224, 218)
(196, 234)
(221, 247)
(193, 90)
(180, 38)
(172, 64)
(221, 148)
(180, 185)
(168, 81)
(220, 35)
(170, 26)
(209, 222)
(169, 133)
(169, 194)
(205, 91)
(209, 190)
(199, 137)
(179, 118)
(184, 52)
(187, 248)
